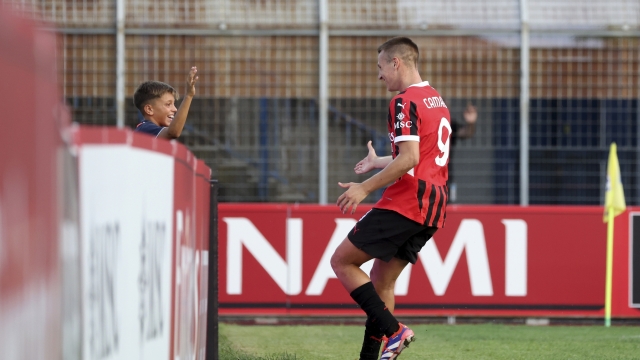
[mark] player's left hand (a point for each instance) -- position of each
(368, 163)
(352, 197)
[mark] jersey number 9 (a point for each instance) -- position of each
(441, 160)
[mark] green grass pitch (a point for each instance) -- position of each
(471, 341)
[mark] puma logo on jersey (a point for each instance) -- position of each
(401, 105)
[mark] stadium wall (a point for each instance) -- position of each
(487, 261)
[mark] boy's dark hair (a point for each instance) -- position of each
(150, 90)
(401, 47)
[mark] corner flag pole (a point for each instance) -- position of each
(614, 205)
(608, 285)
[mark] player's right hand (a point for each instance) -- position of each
(368, 163)
(350, 199)
(470, 114)
(192, 79)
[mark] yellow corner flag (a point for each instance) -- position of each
(614, 205)
(614, 196)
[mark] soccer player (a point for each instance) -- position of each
(156, 102)
(411, 209)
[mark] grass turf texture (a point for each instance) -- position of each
(483, 341)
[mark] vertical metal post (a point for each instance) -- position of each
(323, 101)
(524, 103)
(212, 289)
(120, 56)
(602, 105)
(263, 185)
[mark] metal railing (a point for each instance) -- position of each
(574, 63)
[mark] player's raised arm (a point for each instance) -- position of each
(470, 118)
(175, 128)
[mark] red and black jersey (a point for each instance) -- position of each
(419, 114)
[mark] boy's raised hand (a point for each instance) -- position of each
(191, 81)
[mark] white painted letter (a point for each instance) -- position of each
(515, 257)
(324, 272)
(241, 231)
(470, 236)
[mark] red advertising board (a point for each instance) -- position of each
(191, 219)
(487, 261)
(133, 179)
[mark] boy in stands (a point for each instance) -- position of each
(411, 209)
(156, 102)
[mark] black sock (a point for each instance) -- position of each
(369, 300)
(372, 341)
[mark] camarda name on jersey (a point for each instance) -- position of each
(434, 102)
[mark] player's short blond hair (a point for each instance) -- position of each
(402, 48)
(150, 90)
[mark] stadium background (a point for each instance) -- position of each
(567, 70)
(256, 117)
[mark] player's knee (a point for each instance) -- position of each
(336, 262)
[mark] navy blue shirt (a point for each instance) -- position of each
(149, 127)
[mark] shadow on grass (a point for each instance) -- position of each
(226, 352)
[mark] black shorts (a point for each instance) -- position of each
(385, 234)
